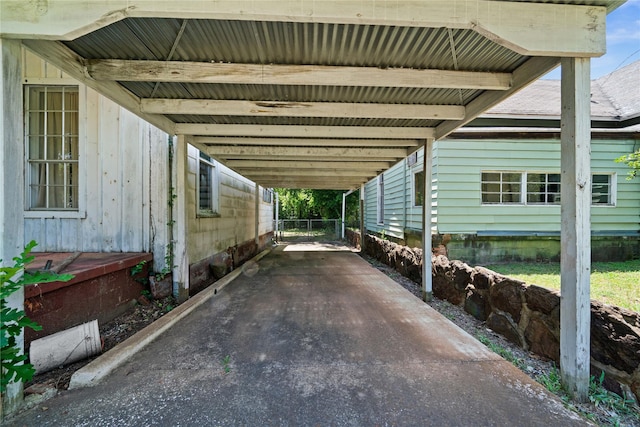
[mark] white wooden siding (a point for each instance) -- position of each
(235, 223)
(123, 185)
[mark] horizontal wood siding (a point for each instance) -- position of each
(460, 164)
(235, 223)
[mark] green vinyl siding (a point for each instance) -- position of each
(461, 164)
(456, 189)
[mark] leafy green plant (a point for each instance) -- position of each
(633, 161)
(13, 320)
(225, 364)
(504, 352)
(137, 269)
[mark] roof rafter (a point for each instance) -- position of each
(306, 142)
(314, 75)
(299, 131)
(230, 151)
(301, 109)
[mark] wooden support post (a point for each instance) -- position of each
(575, 259)
(11, 185)
(180, 266)
(257, 218)
(427, 167)
(363, 225)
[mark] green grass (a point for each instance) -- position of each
(615, 283)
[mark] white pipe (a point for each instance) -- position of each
(65, 347)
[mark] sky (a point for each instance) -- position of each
(623, 41)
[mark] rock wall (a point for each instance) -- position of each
(525, 314)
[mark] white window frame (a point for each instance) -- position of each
(80, 211)
(523, 181)
(524, 190)
(380, 200)
(613, 189)
(415, 180)
(267, 196)
(213, 211)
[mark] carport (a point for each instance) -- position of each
(309, 94)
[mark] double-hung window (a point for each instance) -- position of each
(380, 211)
(501, 188)
(418, 188)
(207, 186)
(52, 147)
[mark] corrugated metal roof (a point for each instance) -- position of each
(308, 46)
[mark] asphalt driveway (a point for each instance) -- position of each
(310, 336)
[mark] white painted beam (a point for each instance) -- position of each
(298, 131)
(306, 142)
(304, 75)
(303, 164)
(575, 214)
(69, 62)
(301, 109)
(528, 28)
(230, 151)
(276, 173)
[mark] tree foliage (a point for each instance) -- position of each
(312, 204)
(13, 321)
(633, 161)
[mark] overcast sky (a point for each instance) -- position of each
(623, 41)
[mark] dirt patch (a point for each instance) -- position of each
(142, 314)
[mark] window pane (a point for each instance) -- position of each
(501, 187)
(204, 200)
(52, 117)
(418, 185)
(490, 176)
(601, 190)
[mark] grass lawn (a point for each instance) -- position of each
(615, 283)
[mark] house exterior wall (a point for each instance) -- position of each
(123, 164)
(234, 224)
(488, 233)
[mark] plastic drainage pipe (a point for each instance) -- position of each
(65, 347)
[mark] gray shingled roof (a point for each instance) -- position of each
(615, 96)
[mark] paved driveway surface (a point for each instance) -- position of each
(308, 338)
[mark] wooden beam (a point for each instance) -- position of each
(527, 27)
(285, 164)
(575, 232)
(306, 75)
(301, 109)
(523, 76)
(305, 142)
(323, 184)
(230, 151)
(275, 173)
(345, 159)
(297, 131)
(69, 62)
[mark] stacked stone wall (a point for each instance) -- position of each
(526, 314)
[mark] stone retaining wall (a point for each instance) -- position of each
(525, 314)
